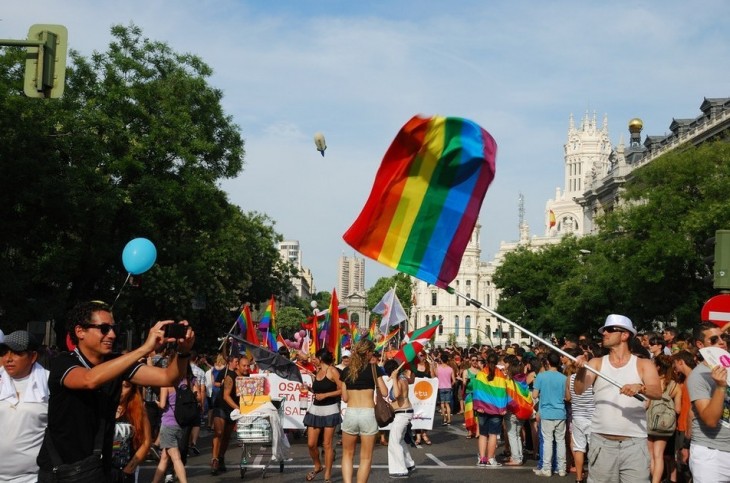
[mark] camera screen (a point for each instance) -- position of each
(176, 331)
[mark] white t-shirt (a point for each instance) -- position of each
(22, 426)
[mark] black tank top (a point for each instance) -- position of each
(323, 386)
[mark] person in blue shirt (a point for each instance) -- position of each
(549, 387)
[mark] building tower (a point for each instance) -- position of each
(350, 276)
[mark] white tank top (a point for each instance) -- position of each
(615, 413)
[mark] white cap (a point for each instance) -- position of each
(2, 336)
(346, 353)
(615, 320)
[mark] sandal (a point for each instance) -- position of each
(313, 474)
(427, 440)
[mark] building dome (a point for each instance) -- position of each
(636, 125)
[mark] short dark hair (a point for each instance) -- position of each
(390, 366)
(324, 355)
(553, 359)
(81, 315)
(699, 331)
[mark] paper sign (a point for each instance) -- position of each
(715, 356)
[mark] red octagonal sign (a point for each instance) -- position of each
(717, 310)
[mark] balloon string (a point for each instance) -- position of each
(120, 290)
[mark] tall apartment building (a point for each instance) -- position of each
(350, 276)
(303, 283)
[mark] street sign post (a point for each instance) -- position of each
(717, 310)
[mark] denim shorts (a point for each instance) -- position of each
(360, 421)
(489, 423)
(445, 396)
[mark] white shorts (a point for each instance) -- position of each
(709, 465)
(581, 430)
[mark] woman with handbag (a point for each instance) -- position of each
(132, 435)
(400, 462)
(359, 381)
(324, 413)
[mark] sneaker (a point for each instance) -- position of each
(194, 450)
(169, 479)
(547, 473)
(411, 469)
(562, 473)
(537, 470)
(398, 475)
(483, 462)
(493, 462)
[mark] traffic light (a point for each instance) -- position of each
(721, 267)
(45, 64)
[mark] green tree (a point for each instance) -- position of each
(289, 320)
(135, 147)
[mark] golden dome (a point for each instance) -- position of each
(636, 125)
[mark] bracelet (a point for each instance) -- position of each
(183, 354)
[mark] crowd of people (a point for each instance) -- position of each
(589, 406)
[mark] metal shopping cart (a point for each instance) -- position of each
(255, 434)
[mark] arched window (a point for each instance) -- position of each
(456, 325)
(467, 325)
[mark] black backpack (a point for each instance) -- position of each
(186, 405)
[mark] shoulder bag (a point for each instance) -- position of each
(87, 470)
(384, 413)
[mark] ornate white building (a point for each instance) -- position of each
(594, 175)
(467, 323)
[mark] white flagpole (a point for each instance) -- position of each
(479, 305)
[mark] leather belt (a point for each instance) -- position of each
(403, 411)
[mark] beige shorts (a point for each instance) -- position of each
(360, 421)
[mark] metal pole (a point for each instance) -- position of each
(534, 336)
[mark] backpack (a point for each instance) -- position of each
(186, 405)
(661, 419)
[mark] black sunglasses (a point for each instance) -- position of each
(612, 329)
(714, 339)
(103, 328)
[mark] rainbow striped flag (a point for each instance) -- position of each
(268, 323)
(426, 198)
(520, 400)
(490, 396)
(334, 334)
(384, 341)
(373, 332)
(245, 323)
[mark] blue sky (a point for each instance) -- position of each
(357, 71)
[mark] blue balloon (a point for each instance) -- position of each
(139, 255)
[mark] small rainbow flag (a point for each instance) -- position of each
(426, 198)
(268, 322)
(334, 334)
(245, 323)
(384, 341)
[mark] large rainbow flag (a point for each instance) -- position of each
(520, 399)
(334, 334)
(426, 198)
(490, 396)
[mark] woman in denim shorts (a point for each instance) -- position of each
(358, 387)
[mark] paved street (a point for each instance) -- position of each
(452, 457)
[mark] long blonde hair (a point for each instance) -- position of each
(360, 358)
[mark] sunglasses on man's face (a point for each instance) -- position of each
(612, 329)
(103, 328)
(714, 339)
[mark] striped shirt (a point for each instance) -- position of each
(583, 405)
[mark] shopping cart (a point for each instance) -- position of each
(255, 434)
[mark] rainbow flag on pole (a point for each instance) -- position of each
(334, 334)
(384, 341)
(426, 198)
(245, 323)
(268, 321)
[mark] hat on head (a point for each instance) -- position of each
(2, 336)
(346, 353)
(20, 341)
(510, 351)
(615, 320)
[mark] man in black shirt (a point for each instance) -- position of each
(85, 384)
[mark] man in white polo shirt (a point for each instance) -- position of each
(23, 407)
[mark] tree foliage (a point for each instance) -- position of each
(646, 261)
(134, 148)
